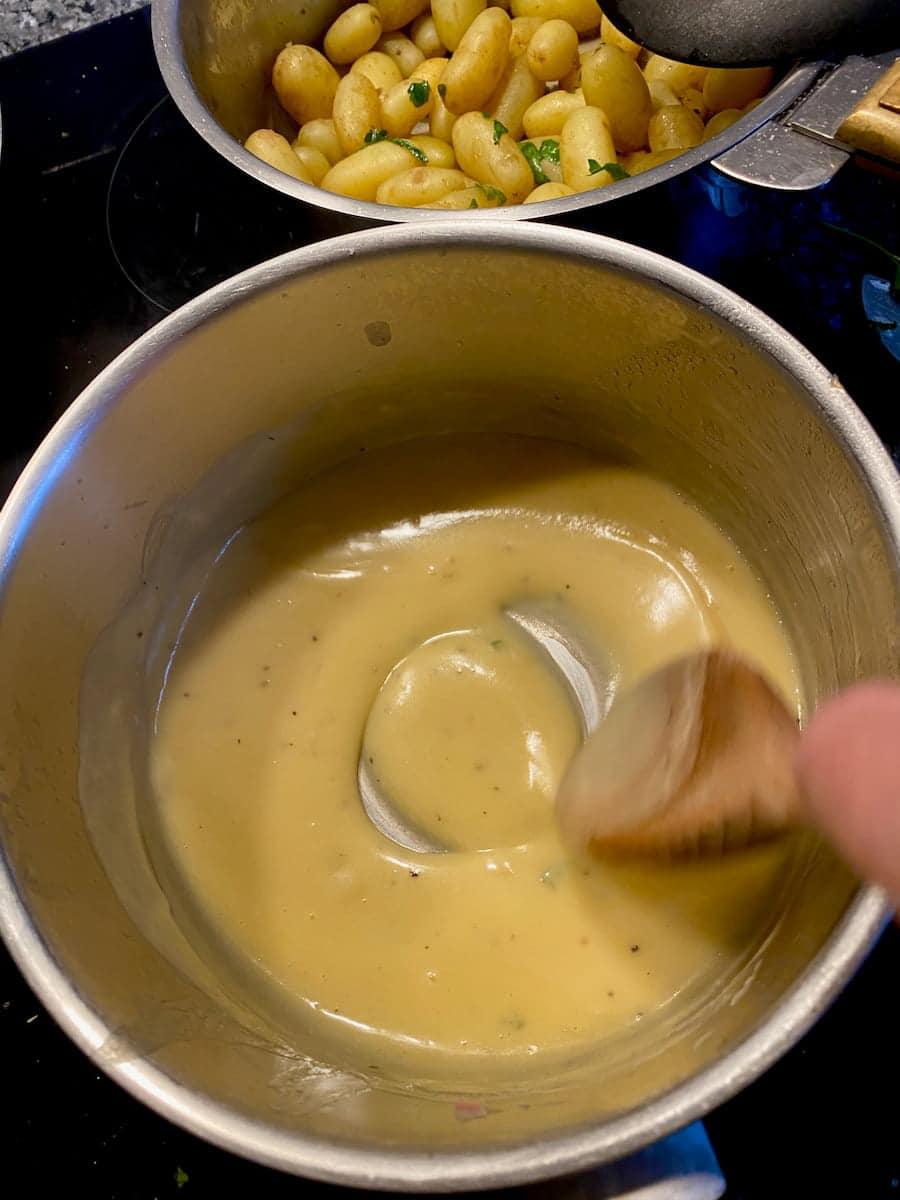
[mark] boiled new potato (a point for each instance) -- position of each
(612, 81)
(354, 33)
(485, 151)
(305, 83)
(470, 104)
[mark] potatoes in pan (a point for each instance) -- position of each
(468, 104)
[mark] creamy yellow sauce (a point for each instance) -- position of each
(365, 612)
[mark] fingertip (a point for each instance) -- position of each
(848, 766)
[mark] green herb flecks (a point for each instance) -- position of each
(614, 170)
(181, 1177)
(499, 130)
(533, 158)
(418, 92)
(380, 135)
(493, 194)
(549, 150)
(442, 90)
(413, 150)
(473, 203)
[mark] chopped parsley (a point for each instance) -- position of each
(614, 170)
(473, 203)
(380, 135)
(418, 92)
(414, 150)
(181, 1177)
(492, 193)
(549, 149)
(499, 130)
(533, 158)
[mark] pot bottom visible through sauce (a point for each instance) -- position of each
(379, 587)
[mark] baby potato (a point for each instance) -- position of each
(553, 50)
(720, 122)
(356, 111)
(615, 37)
(442, 119)
(361, 174)
(661, 94)
(588, 46)
(679, 76)
(406, 54)
(548, 115)
(515, 93)
(552, 190)
(582, 15)
(612, 81)
(734, 88)
(674, 127)
(397, 13)
(321, 134)
(521, 31)
(432, 71)
(276, 150)
(314, 161)
(491, 156)
(354, 32)
(420, 185)
(585, 147)
(404, 105)
(474, 196)
(453, 18)
(693, 99)
(424, 32)
(305, 83)
(438, 152)
(478, 62)
(379, 68)
(644, 160)
(572, 81)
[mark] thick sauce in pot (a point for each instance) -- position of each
(366, 611)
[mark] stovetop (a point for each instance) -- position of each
(116, 213)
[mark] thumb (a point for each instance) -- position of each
(848, 766)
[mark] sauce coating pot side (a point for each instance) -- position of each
(298, 362)
(216, 59)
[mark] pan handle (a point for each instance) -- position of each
(850, 108)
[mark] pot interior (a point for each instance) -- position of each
(226, 407)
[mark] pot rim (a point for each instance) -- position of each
(559, 1154)
(170, 58)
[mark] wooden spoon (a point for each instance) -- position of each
(696, 758)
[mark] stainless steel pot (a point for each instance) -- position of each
(361, 341)
(216, 59)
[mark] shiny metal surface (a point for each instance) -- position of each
(216, 57)
(822, 112)
(640, 359)
(804, 147)
(777, 156)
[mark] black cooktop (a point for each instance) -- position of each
(115, 212)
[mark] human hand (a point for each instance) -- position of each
(849, 772)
